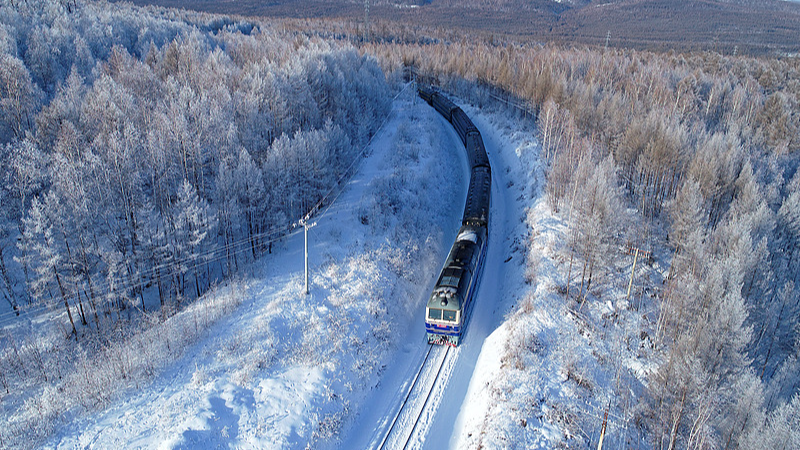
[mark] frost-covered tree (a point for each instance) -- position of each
(228, 211)
(687, 236)
(780, 431)
(252, 198)
(6, 254)
(42, 247)
(192, 222)
(597, 210)
(789, 227)
(19, 98)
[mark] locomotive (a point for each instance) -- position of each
(450, 303)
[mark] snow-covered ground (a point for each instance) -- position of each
(551, 368)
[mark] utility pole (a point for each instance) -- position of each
(306, 226)
(366, 20)
(633, 269)
(603, 429)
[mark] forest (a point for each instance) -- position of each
(156, 153)
(147, 154)
(693, 159)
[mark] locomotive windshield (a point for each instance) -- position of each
(439, 314)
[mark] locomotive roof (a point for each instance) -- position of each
(454, 279)
(446, 293)
(461, 254)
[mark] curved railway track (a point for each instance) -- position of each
(450, 303)
(405, 423)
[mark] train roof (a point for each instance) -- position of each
(446, 294)
(454, 279)
(476, 151)
(476, 210)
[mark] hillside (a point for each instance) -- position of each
(743, 26)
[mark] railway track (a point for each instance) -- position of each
(405, 424)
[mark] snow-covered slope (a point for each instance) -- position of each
(551, 371)
(285, 370)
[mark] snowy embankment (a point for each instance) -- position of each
(549, 370)
(287, 370)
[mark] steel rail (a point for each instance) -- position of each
(411, 389)
(427, 397)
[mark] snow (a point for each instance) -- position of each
(477, 398)
(470, 236)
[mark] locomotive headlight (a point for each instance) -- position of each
(444, 302)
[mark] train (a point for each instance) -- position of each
(450, 303)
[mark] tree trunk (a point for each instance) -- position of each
(81, 312)
(673, 435)
(160, 287)
(583, 278)
(90, 297)
(569, 272)
(196, 281)
(66, 303)
(8, 290)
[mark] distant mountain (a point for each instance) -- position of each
(752, 26)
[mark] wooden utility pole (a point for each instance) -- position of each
(306, 226)
(633, 269)
(603, 429)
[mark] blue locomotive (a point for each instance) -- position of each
(450, 303)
